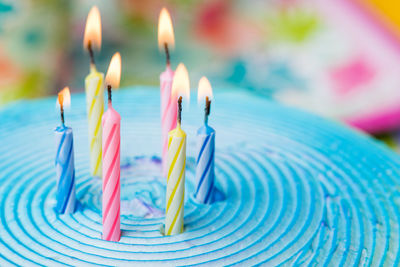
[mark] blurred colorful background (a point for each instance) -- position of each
(338, 58)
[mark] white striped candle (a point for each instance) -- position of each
(205, 175)
(94, 89)
(111, 123)
(111, 175)
(64, 163)
(166, 41)
(175, 181)
(65, 170)
(176, 158)
(95, 107)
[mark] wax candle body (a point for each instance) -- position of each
(205, 175)
(175, 181)
(111, 123)
(168, 113)
(65, 170)
(95, 107)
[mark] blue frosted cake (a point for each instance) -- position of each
(293, 189)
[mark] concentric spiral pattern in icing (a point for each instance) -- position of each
(297, 189)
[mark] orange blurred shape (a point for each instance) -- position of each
(388, 10)
(64, 97)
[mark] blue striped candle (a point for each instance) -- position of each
(205, 164)
(65, 170)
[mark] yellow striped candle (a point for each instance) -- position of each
(94, 88)
(176, 158)
(175, 181)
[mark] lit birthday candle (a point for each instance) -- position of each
(65, 170)
(94, 90)
(111, 123)
(168, 107)
(205, 148)
(176, 159)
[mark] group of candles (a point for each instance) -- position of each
(104, 136)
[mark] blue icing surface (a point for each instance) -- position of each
(298, 189)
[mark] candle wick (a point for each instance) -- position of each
(109, 94)
(207, 110)
(91, 53)
(167, 53)
(62, 114)
(179, 119)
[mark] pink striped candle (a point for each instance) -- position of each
(168, 112)
(166, 41)
(111, 123)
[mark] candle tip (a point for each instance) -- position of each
(167, 55)
(109, 95)
(207, 110)
(179, 117)
(64, 99)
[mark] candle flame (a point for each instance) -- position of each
(64, 97)
(204, 90)
(93, 29)
(181, 84)
(165, 30)
(113, 76)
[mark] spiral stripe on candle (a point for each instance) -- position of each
(171, 198)
(178, 213)
(320, 195)
(65, 171)
(176, 155)
(168, 104)
(111, 183)
(59, 148)
(208, 198)
(202, 148)
(109, 138)
(205, 165)
(168, 125)
(205, 172)
(95, 109)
